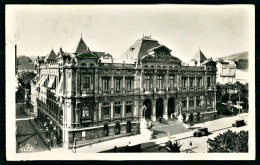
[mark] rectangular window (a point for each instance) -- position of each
(208, 81)
(106, 111)
(85, 112)
(191, 81)
(160, 81)
(147, 81)
(198, 81)
(184, 102)
(106, 84)
(232, 71)
(171, 82)
(129, 83)
(198, 101)
(191, 102)
(117, 109)
(183, 82)
(118, 84)
(87, 82)
(128, 108)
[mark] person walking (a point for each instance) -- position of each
(160, 119)
(190, 145)
(36, 143)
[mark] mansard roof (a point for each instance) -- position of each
(81, 47)
(199, 56)
(51, 56)
(140, 48)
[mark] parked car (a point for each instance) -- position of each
(201, 132)
(239, 123)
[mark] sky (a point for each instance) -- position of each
(216, 30)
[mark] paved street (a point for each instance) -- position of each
(24, 127)
(152, 145)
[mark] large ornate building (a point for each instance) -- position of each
(90, 97)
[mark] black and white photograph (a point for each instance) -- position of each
(130, 82)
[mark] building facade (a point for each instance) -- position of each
(88, 97)
(226, 71)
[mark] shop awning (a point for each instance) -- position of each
(52, 78)
(60, 86)
(43, 80)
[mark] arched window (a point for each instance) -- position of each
(83, 64)
(117, 129)
(85, 112)
(146, 67)
(92, 65)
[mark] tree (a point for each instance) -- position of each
(25, 78)
(229, 142)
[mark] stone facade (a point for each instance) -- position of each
(88, 97)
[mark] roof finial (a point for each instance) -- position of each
(199, 48)
(143, 35)
(81, 35)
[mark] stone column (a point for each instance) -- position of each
(153, 117)
(99, 111)
(195, 82)
(187, 98)
(78, 83)
(166, 80)
(96, 84)
(195, 103)
(112, 84)
(123, 109)
(165, 109)
(100, 87)
(77, 110)
(112, 110)
(124, 85)
(188, 82)
(154, 79)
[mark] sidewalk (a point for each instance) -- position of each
(144, 138)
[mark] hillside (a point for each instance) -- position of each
(237, 56)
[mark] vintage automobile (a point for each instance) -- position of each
(201, 132)
(239, 123)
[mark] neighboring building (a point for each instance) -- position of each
(232, 68)
(226, 71)
(90, 97)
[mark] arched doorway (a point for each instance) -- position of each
(148, 111)
(128, 127)
(159, 108)
(171, 105)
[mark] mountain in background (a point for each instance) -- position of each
(240, 58)
(237, 56)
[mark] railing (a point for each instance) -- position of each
(106, 117)
(128, 114)
(117, 115)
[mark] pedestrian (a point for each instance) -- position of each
(190, 145)
(171, 115)
(51, 143)
(160, 119)
(169, 136)
(36, 142)
(115, 149)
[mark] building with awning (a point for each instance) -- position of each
(90, 97)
